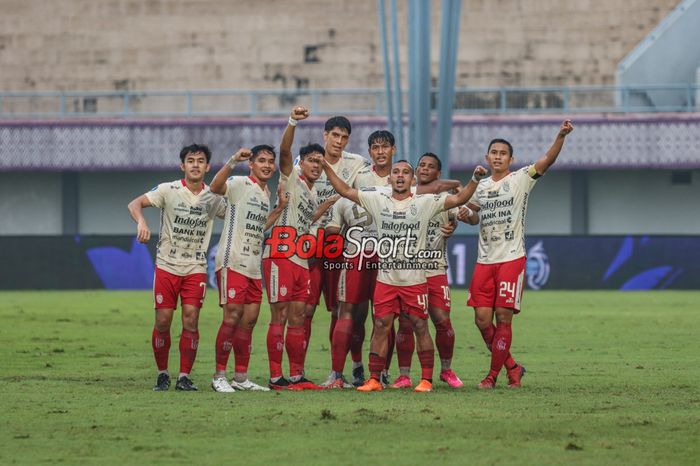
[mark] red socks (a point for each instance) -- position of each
(223, 346)
(340, 345)
(427, 361)
(376, 365)
(331, 328)
(160, 342)
(500, 348)
(445, 339)
(391, 341)
(275, 348)
(487, 334)
(295, 343)
(242, 338)
(358, 339)
(189, 341)
(405, 343)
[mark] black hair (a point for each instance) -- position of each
(262, 148)
(193, 149)
(409, 164)
(437, 159)
(501, 141)
(338, 122)
(381, 135)
(310, 149)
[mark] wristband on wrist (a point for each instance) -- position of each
(292, 122)
(232, 162)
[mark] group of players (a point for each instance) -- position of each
(394, 220)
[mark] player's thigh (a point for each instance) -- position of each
(414, 300)
(510, 281)
(386, 301)
(439, 293)
(166, 289)
(482, 289)
(193, 290)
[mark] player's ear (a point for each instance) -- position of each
(182, 167)
(208, 167)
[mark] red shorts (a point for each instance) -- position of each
(285, 281)
(167, 286)
(357, 286)
(391, 299)
(439, 292)
(498, 285)
(326, 280)
(236, 288)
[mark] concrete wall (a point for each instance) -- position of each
(619, 202)
(30, 204)
(289, 44)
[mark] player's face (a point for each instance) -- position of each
(263, 166)
(311, 166)
(427, 170)
(335, 141)
(195, 166)
(499, 157)
(401, 177)
(382, 152)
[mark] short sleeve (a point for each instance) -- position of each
(235, 188)
(156, 196)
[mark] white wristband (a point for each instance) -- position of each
(232, 162)
(292, 122)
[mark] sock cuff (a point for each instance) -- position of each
(243, 330)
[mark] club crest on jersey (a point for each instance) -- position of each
(414, 209)
(231, 293)
(283, 290)
(506, 187)
(345, 173)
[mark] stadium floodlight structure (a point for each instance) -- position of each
(419, 89)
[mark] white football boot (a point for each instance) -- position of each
(248, 385)
(221, 385)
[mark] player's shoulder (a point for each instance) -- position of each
(349, 156)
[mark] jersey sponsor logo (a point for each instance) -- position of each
(537, 268)
(496, 204)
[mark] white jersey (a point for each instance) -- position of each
(437, 242)
(503, 205)
(368, 176)
(240, 247)
(346, 168)
(186, 223)
(347, 214)
(394, 219)
(300, 210)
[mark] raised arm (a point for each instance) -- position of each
(286, 160)
(143, 233)
(340, 186)
(325, 205)
(438, 186)
(218, 184)
(282, 201)
(548, 159)
(464, 194)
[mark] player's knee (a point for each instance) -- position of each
(420, 326)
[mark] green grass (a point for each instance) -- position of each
(612, 378)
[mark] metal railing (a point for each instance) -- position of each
(370, 102)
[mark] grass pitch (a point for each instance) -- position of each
(612, 378)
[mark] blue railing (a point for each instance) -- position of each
(370, 102)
